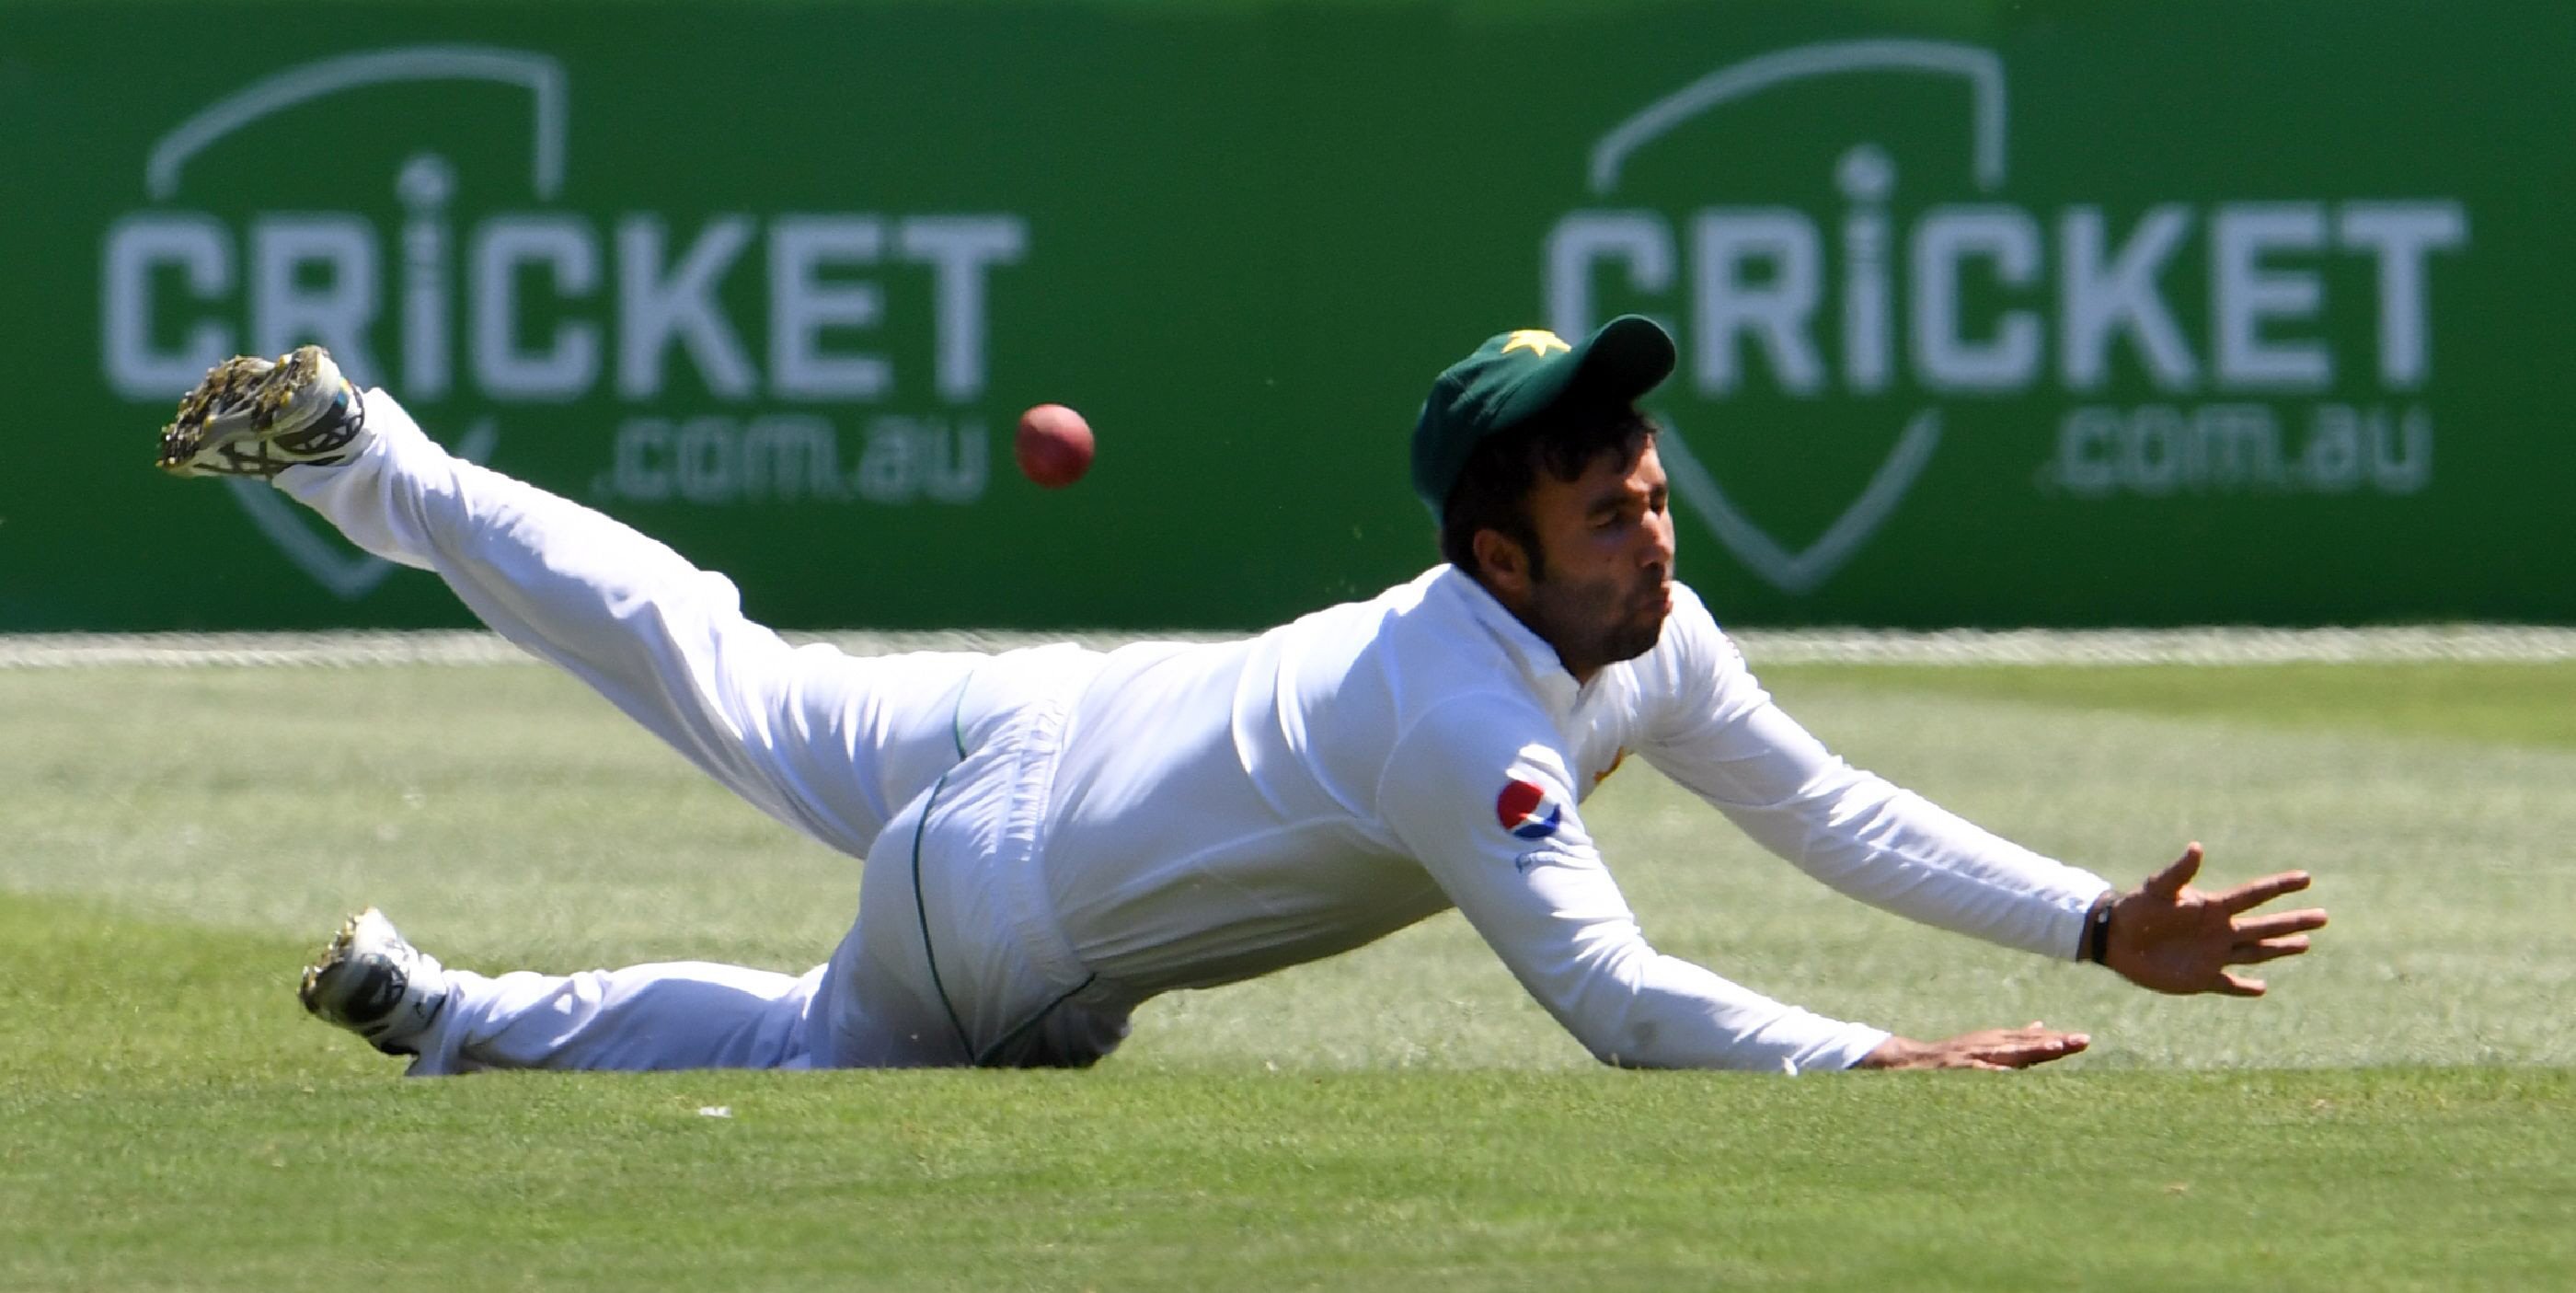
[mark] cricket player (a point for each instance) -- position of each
(1053, 836)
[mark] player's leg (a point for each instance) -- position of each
(956, 957)
(680, 1015)
(828, 743)
(673, 1015)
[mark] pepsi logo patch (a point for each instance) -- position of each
(1525, 810)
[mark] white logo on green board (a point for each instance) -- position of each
(510, 300)
(1978, 298)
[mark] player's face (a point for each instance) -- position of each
(1604, 581)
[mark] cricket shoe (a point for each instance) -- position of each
(376, 985)
(251, 417)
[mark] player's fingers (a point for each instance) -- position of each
(2168, 883)
(2236, 985)
(2021, 1053)
(2038, 1055)
(2270, 949)
(2279, 923)
(2254, 893)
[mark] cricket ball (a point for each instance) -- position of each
(1054, 445)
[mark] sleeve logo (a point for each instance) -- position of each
(1525, 810)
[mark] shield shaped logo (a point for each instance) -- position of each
(1756, 275)
(228, 134)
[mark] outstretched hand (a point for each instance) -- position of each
(2164, 935)
(1992, 1048)
(2171, 937)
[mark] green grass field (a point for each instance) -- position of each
(2399, 1114)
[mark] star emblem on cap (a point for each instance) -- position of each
(1537, 341)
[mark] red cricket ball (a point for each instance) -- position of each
(1054, 445)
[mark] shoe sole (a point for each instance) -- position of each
(332, 957)
(380, 1029)
(249, 447)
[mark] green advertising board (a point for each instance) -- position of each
(2136, 312)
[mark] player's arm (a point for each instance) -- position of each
(1727, 741)
(1721, 736)
(1877, 842)
(1455, 793)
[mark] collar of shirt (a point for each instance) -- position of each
(1540, 667)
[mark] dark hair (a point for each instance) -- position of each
(1493, 489)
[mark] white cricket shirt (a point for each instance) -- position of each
(1220, 811)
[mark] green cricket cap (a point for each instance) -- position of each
(1523, 377)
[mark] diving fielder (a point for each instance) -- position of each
(1053, 836)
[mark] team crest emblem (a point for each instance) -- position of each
(1525, 810)
(1537, 341)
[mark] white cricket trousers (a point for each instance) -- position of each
(954, 959)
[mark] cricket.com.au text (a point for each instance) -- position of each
(2162, 450)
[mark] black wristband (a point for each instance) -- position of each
(2097, 931)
